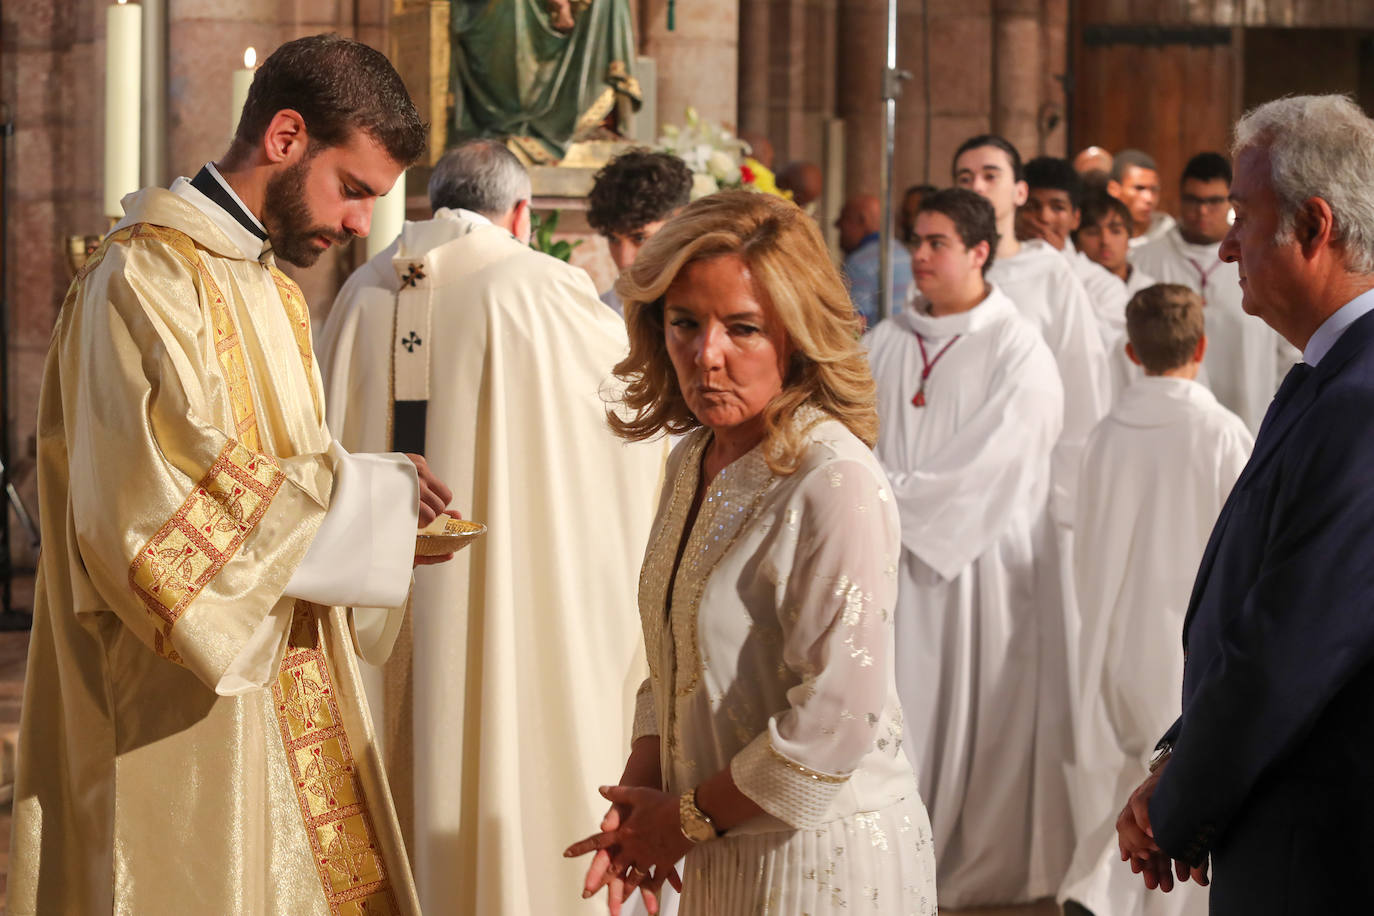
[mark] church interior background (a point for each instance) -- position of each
(1169, 76)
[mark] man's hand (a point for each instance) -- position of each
(1133, 832)
(1135, 836)
(434, 496)
(436, 559)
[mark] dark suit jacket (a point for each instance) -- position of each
(1272, 771)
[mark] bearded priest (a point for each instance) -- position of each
(194, 736)
(517, 692)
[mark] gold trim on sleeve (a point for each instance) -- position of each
(809, 773)
(204, 533)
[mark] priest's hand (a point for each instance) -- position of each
(434, 496)
(436, 559)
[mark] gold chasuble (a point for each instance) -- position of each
(193, 741)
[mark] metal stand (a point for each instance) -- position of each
(10, 617)
(6, 570)
(892, 88)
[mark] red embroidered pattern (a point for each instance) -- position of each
(195, 543)
(329, 789)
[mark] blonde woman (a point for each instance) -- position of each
(767, 739)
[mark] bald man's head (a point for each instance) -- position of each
(1092, 159)
(861, 216)
(804, 180)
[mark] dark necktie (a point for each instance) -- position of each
(1291, 382)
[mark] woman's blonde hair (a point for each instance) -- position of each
(793, 273)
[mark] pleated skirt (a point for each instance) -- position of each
(874, 862)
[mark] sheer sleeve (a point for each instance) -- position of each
(835, 608)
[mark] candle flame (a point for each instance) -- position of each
(250, 56)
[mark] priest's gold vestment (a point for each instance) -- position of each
(192, 741)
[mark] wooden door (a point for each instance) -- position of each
(1171, 91)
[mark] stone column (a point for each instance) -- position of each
(1055, 65)
(205, 44)
(755, 64)
(862, 54)
(698, 61)
(1017, 54)
(961, 68)
(52, 75)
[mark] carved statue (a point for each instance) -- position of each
(541, 73)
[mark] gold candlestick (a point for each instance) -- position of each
(79, 250)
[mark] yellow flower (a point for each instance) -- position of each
(763, 179)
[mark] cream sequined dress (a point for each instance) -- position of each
(775, 659)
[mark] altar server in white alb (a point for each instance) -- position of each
(1134, 181)
(1103, 236)
(461, 341)
(1052, 213)
(1246, 359)
(1155, 475)
(969, 408)
(1041, 284)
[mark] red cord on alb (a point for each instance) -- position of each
(927, 365)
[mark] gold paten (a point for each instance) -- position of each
(437, 539)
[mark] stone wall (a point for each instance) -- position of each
(994, 65)
(52, 55)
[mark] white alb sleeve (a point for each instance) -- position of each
(364, 551)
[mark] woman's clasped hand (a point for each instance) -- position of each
(639, 844)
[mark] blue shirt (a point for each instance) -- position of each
(610, 298)
(1325, 337)
(862, 268)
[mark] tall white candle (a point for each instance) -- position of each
(388, 215)
(241, 81)
(123, 72)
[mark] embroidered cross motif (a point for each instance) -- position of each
(414, 273)
(411, 342)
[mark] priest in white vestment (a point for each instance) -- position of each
(194, 735)
(1155, 475)
(494, 358)
(969, 407)
(1246, 359)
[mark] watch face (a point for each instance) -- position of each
(701, 832)
(695, 826)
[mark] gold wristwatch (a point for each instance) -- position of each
(697, 825)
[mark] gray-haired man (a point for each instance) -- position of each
(462, 343)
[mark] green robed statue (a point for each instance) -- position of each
(541, 73)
